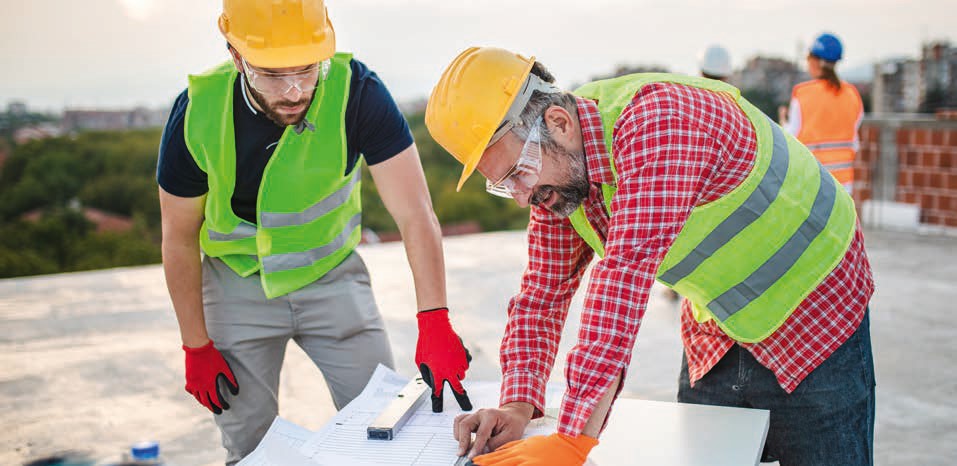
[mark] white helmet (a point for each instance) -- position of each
(715, 61)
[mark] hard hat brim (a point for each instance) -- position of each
(469, 168)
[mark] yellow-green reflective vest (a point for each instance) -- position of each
(308, 210)
(748, 259)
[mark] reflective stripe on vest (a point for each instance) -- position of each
(308, 208)
(293, 260)
(323, 207)
(830, 145)
(755, 205)
(749, 258)
(242, 231)
(276, 219)
(757, 283)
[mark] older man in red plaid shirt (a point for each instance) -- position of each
(679, 179)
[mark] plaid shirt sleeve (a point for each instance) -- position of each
(557, 258)
(663, 162)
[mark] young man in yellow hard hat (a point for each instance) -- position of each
(259, 170)
(678, 179)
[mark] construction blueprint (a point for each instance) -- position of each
(425, 440)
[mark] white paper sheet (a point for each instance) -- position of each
(425, 440)
(280, 446)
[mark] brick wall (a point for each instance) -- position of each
(912, 161)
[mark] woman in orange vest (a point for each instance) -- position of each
(825, 112)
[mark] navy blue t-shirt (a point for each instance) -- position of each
(375, 128)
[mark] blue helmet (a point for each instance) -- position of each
(827, 47)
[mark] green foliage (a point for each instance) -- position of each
(115, 172)
(109, 171)
(442, 173)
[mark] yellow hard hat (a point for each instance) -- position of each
(278, 33)
(472, 98)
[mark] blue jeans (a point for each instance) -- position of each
(827, 421)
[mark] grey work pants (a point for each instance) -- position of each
(334, 320)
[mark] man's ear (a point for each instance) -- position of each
(559, 122)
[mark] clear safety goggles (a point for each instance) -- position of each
(279, 84)
(523, 176)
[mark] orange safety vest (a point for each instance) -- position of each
(829, 125)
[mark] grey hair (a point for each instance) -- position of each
(541, 101)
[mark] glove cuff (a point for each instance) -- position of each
(201, 349)
(433, 317)
(582, 443)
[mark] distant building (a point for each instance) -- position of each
(939, 65)
(75, 120)
(26, 134)
(897, 86)
(102, 221)
(907, 85)
(17, 108)
(773, 77)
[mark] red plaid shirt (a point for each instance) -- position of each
(675, 147)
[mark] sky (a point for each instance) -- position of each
(121, 53)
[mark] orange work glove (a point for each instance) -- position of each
(544, 450)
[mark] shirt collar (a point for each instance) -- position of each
(593, 140)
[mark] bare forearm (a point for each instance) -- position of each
(423, 247)
(182, 265)
(597, 419)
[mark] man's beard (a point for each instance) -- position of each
(572, 192)
(281, 119)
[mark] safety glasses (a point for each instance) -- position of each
(279, 84)
(523, 176)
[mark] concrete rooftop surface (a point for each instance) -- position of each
(92, 361)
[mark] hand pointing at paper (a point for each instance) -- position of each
(492, 428)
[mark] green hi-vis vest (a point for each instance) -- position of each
(748, 259)
(308, 212)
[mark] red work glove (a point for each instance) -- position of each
(544, 450)
(205, 366)
(441, 357)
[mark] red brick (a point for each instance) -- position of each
(947, 160)
(860, 173)
(907, 196)
(936, 180)
(950, 220)
(908, 158)
(905, 178)
(929, 159)
(928, 201)
(921, 137)
(862, 194)
(864, 155)
(937, 136)
(919, 179)
(929, 218)
(952, 138)
(952, 181)
(904, 137)
(949, 203)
